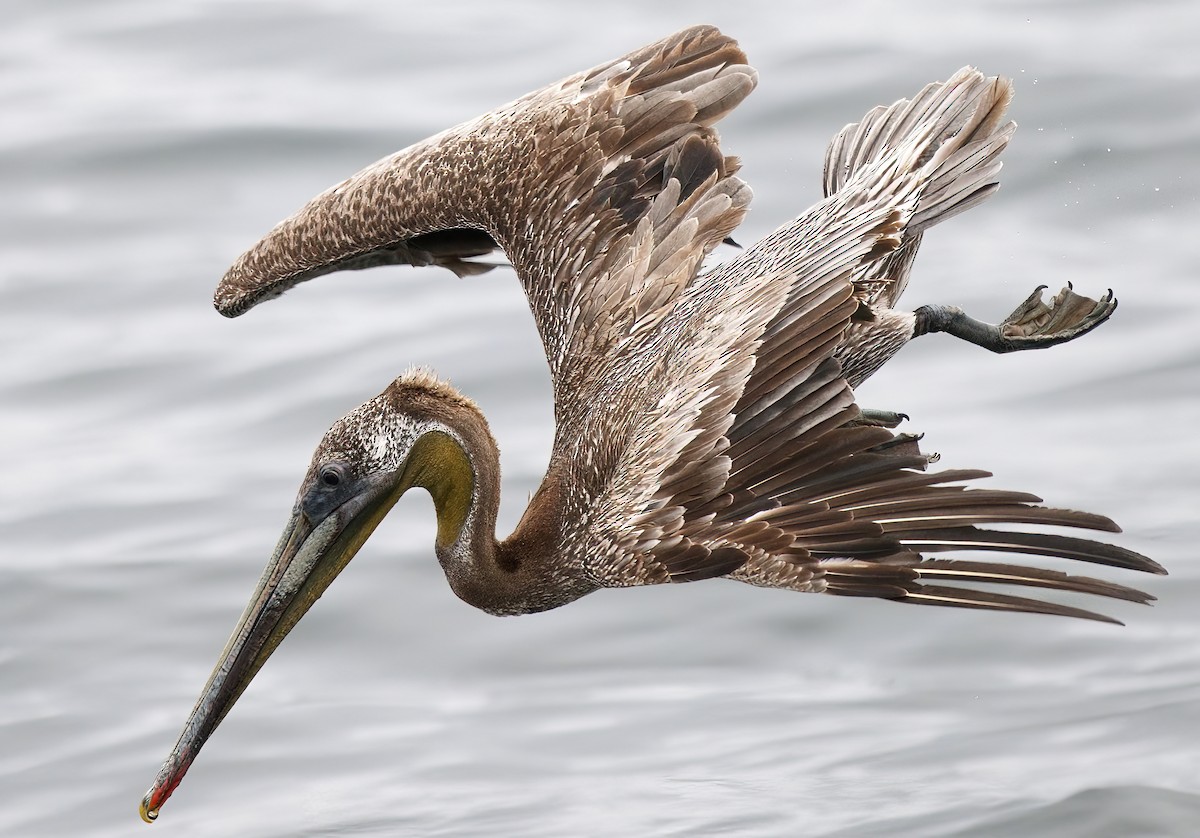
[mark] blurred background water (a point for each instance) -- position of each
(153, 449)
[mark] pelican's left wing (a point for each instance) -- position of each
(577, 182)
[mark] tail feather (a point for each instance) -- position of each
(972, 171)
(964, 117)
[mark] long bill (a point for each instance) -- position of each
(306, 560)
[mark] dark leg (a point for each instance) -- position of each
(880, 418)
(1034, 325)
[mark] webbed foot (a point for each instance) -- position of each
(1035, 324)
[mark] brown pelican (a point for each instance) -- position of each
(704, 424)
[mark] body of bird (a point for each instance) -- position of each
(706, 424)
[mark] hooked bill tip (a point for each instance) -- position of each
(149, 813)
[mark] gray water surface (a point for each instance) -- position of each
(153, 449)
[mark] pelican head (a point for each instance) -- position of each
(412, 434)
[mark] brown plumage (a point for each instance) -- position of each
(705, 426)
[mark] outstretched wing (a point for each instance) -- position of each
(578, 183)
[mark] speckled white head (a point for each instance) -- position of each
(378, 435)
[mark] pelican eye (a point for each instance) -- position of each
(330, 475)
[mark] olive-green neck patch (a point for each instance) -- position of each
(439, 464)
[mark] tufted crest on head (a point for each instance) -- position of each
(378, 435)
(421, 386)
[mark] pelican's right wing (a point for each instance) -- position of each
(740, 376)
(749, 461)
(580, 183)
